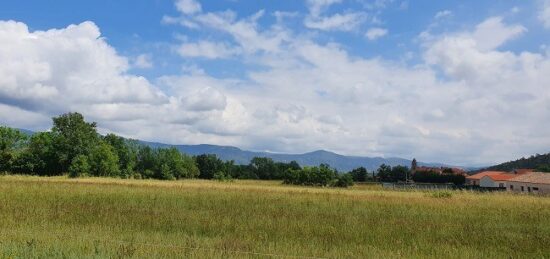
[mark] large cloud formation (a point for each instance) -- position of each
(466, 102)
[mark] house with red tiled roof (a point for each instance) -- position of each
(534, 182)
(476, 178)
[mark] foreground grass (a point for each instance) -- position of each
(96, 218)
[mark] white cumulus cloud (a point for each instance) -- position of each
(188, 6)
(375, 33)
(207, 49)
(544, 13)
(143, 61)
(468, 101)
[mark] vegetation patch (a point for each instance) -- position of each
(440, 194)
(111, 218)
(322, 175)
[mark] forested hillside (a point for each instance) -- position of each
(538, 162)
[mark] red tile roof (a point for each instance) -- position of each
(534, 177)
(523, 171)
(502, 177)
(478, 176)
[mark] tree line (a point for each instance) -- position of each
(538, 162)
(74, 147)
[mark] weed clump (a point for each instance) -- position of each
(441, 194)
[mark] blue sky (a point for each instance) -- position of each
(461, 82)
(135, 27)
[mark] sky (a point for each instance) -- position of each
(458, 82)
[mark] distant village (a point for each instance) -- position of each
(517, 180)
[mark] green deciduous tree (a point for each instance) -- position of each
(384, 173)
(344, 180)
(103, 161)
(178, 165)
(39, 158)
(265, 168)
(73, 136)
(12, 142)
(209, 165)
(399, 173)
(126, 151)
(79, 166)
(359, 174)
(322, 175)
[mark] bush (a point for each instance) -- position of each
(165, 173)
(344, 180)
(103, 161)
(222, 177)
(441, 194)
(322, 175)
(79, 167)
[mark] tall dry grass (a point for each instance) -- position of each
(96, 218)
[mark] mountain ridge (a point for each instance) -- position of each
(313, 158)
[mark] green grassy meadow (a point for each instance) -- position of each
(112, 218)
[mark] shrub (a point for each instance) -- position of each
(222, 177)
(344, 180)
(165, 173)
(103, 161)
(322, 175)
(441, 194)
(79, 166)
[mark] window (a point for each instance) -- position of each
(501, 185)
(535, 188)
(522, 188)
(511, 187)
(529, 188)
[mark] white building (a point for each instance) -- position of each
(535, 182)
(476, 178)
(495, 180)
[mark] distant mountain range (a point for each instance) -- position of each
(340, 162)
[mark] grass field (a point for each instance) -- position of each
(97, 218)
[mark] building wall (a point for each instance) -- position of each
(528, 187)
(486, 181)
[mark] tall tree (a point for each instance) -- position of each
(399, 173)
(39, 158)
(384, 173)
(146, 158)
(209, 165)
(73, 136)
(12, 142)
(264, 168)
(172, 161)
(103, 160)
(359, 174)
(126, 151)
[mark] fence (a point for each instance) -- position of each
(435, 186)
